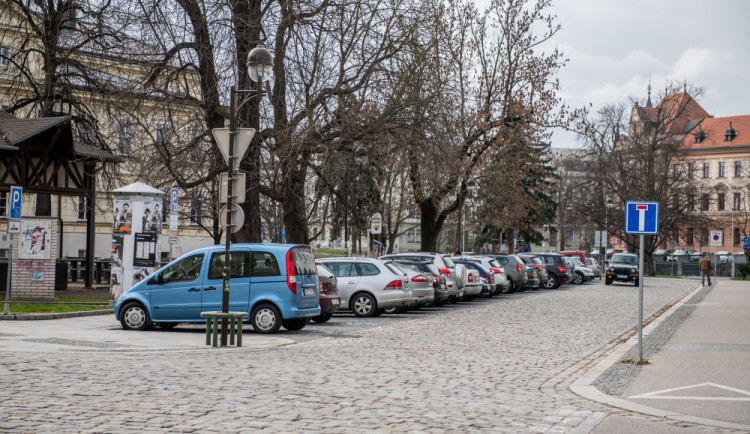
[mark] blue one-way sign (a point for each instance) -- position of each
(642, 218)
(16, 196)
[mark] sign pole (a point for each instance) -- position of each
(6, 311)
(640, 301)
(229, 229)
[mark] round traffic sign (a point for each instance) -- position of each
(746, 240)
(716, 237)
(746, 247)
(613, 240)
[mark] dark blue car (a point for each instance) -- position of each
(276, 284)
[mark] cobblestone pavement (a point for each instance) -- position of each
(501, 366)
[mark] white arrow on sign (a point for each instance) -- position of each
(242, 142)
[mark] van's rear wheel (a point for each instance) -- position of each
(266, 318)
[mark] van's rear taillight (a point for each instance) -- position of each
(396, 284)
(471, 277)
(420, 278)
(291, 278)
(562, 269)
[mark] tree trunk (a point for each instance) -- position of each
(431, 225)
(293, 201)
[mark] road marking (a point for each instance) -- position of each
(661, 394)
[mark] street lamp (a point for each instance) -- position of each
(360, 157)
(259, 65)
(471, 186)
(608, 205)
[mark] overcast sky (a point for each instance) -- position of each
(614, 45)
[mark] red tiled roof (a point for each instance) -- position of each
(715, 130)
(679, 109)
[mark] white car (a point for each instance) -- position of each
(368, 286)
(581, 273)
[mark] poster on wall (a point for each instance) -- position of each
(152, 217)
(118, 240)
(115, 283)
(35, 242)
(145, 250)
(123, 216)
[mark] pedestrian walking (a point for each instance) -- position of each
(706, 268)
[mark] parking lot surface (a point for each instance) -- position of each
(501, 365)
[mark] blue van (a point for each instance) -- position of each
(276, 284)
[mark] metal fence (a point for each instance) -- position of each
(723, 269)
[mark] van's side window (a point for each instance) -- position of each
(239, 264)
(265, 264)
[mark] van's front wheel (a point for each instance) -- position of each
(266, 318)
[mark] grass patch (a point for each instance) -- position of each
(32, 308)
(74, 299)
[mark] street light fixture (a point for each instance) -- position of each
(259, 65)
(360, 157)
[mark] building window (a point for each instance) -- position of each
(82, 202)
(4, 57)
(163, 134)
(125, 137)
(736, 237)
(704, 236)
(691, 170)
(722, 169)
(689, 237)
(738, 169)
(706, 170)
(691, 202)
(195, 209)
(736, 202)
(3, 203)
(720, 202)
(43, 205)
(196, 153)
(676, 170)
(705, 201)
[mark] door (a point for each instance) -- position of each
(347, 278)
(177, 296)
(239, 282)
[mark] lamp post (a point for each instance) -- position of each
(260, 65)
(471, 186)
(360, 157)
(608, 204)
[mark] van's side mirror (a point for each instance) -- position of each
(156, 280)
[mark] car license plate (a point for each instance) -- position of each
(309, 291)
(335, 301)
(622, 276)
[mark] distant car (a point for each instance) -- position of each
(486, 276)
(420, 286)
(533, 281)
(330, 301)
(533, 261)
(368, 286)
(444, 263)
(499, 280)
(557, 269)
(428, 268)
(623, 267)
(575, 254)
(593, 264)
(276, 284)
(514, 268)
(582, 273)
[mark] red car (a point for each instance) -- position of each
(329, 294)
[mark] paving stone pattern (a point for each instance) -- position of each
(617, 378)
(501, 366)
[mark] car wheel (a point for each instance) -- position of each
(578, 279)
(364, 305)
(134, 317)
(167, 325)
(266, 318)
(295, 324)
(607, 281)
(323, 317)
(551, 282)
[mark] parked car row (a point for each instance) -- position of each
(283, 285)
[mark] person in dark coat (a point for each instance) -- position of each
(706, 268)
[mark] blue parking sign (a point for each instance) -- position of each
(642, 218)
(746, 240)
(174, 195)
(16, 200)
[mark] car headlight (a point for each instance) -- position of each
(611, 269)
(634, 270)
